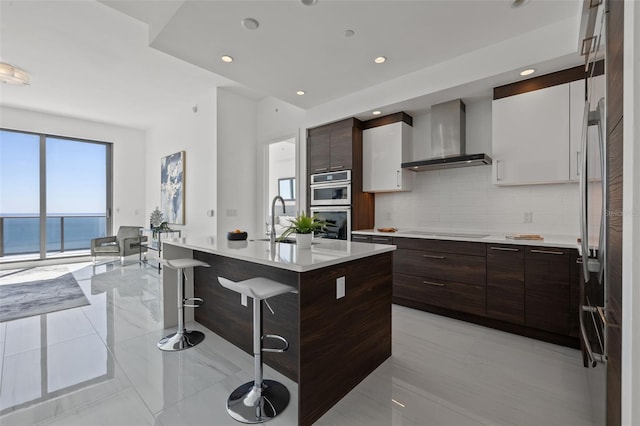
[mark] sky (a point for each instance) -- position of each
(75, 170)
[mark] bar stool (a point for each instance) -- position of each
(182, 339)
(261, 400)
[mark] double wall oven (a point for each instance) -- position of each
(331, 201)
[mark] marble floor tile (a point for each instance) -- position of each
(99, 365)
(124, 408)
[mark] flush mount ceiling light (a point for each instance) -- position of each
(13, 75)
(250, 23)
(376, 112)
(309, 2)
(380, 60)
(528, 71)
(226, 58)
(300, 92)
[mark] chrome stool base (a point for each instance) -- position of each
(247, 406)
(180, 340)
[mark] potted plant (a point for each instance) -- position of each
(156, 218)
(303, 226)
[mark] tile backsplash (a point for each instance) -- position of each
(466, 199)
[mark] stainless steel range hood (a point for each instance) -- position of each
(448, 140)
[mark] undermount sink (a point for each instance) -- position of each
(445, 234)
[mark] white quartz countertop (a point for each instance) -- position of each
(550, 240)
(322, 253)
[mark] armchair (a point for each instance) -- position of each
(126, 242)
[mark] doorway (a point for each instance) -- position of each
(280, 179)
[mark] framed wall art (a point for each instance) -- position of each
(172, 174)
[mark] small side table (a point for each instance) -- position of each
(155, 246)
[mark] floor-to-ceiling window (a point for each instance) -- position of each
(54, 195)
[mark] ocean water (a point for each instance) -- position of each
(21, 235)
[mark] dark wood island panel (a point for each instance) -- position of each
(334, 343)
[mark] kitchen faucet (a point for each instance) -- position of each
(272, 237)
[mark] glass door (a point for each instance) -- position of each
(55, 195)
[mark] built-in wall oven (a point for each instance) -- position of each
(338, 222)
(331, 189)
(331, 202)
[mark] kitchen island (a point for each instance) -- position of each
(335, 341)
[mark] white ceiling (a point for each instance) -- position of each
(130, 62)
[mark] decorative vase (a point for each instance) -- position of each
(303, 241)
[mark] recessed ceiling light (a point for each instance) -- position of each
(300, 92)
(380, 60)
(309, 2)
(376, 112)
(349, 33)
(518, 3)
(250, 23)
(528, 71)
(226, 58)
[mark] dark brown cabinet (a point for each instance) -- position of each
(505, 282)
(445, 274)
(547, 289)
(528, 290)
(330, 147)
(338, 146)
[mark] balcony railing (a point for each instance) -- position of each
(21, 234)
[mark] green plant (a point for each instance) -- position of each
(303, 224)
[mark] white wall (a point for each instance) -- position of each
(128, 155)
(237, 163)
(195, 133)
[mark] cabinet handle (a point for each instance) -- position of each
(397, 178)
(320, 169)
(336, 167)
(434, 283)
(498, 170)
(504, 248)
(431, 256)
(380, 239)
(547, 252)
(578, 163)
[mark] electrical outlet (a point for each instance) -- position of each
(340, 287)
(528, 217)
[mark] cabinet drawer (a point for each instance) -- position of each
(441, 266)
(444, 246)
(376, 239)
(361, 238)
(446, 294)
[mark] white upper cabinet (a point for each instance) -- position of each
(577, 110)
(531, 137)
(384, 149)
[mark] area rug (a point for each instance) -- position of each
(38, 297)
